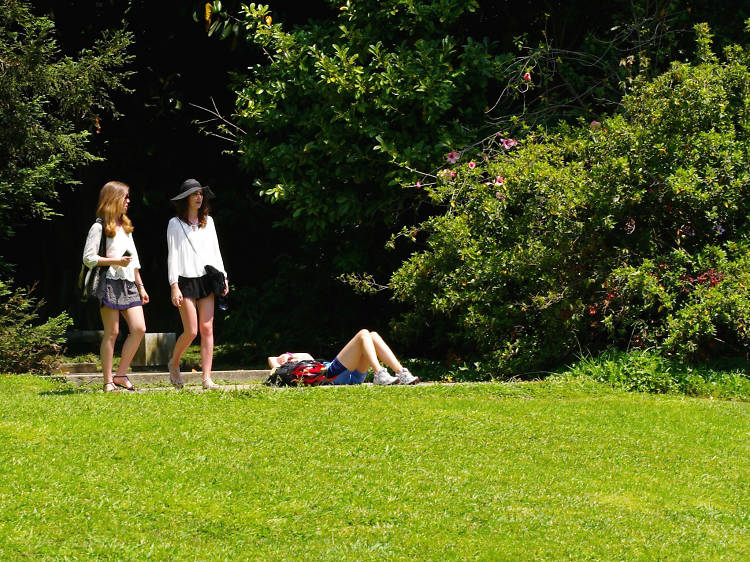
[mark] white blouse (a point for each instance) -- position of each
(115, 248)
(182, 260)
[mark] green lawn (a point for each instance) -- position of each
(552, 470)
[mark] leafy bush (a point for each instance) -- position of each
(632, 232)
(647, 371)
(24, 346)
(345, 95)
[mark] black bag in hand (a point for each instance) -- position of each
(217, 280)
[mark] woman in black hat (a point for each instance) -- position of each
(193, 245)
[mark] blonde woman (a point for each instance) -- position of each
(192, 244)
(122, 292)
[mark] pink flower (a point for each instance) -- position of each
(498, 195)
(419, 185)
(527, 77)
(453, 174)
(499, 180)
(595, 125)
(508, 143)
(452, 157)
(472, 165)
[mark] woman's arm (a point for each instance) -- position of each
(173, 237)
(91, 257)
(91, 247)
(141, 289)
(273, 362)
(217, 260)
(278, 361)
(136, 263)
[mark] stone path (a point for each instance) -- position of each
(231, 379)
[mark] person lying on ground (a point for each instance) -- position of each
(363, 352)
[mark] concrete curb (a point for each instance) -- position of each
(231, 377)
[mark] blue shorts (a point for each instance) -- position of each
(343, 375)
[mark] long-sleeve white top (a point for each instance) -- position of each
(182, 260)
(115, 248)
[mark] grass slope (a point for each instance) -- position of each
(553, 470)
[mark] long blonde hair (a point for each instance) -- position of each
(111, 200)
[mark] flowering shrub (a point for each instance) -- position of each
(631, 232)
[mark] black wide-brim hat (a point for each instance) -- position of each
(189, 187)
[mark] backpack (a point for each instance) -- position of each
(299, 373)
(90, 280)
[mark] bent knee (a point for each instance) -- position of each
(363, 333)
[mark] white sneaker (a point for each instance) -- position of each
(405, 377)
(383, 377)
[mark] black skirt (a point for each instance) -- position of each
(194, 287)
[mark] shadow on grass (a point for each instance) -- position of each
(65, 391)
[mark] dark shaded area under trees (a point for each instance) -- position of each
(284, 287)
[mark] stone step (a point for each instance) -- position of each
(231, 377)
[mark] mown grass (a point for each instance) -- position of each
(562, 469)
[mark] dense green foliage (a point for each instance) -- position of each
(343, 97)
(49, 106)
(348, 97)
(26, 346)
(552, 470)
(630, 232)
(344, 102)
(646, 371)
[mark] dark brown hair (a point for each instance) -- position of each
(203, 211)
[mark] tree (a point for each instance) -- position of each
(343, 98)
(49, 107)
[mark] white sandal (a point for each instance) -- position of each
(209, 384)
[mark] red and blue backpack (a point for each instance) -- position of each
(299, 373)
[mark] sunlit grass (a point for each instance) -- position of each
(558, 469)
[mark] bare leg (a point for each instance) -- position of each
(136, 329)
(189, 317)
(206, 325)
(359, 353)
(384, 353)
(111, 324)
